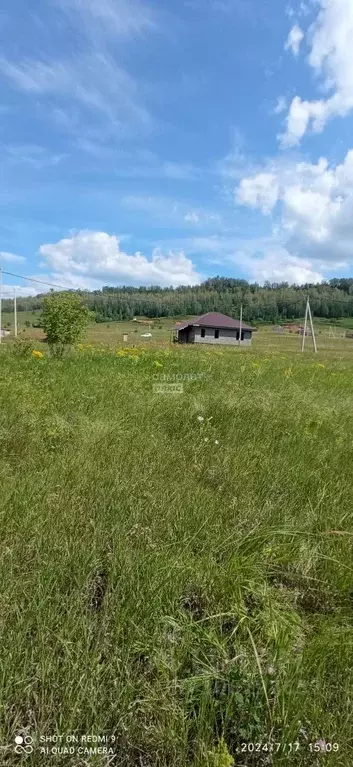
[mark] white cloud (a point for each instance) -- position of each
(192, 217)
(294, 39)
(281, 105)
(31, 154)
(94, 82)
(331, 58)
(260, 191)
(117, 18)
(168, 211)
(314, 210)
(280, 266)
(11, 258)
(302, 10)
(260, 258)
(87, 258)
(8, 292)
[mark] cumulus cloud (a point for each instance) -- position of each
(89, 258)
(278, 265)
(331, 58)
(260, 191)
(313, 204)
(294, 39)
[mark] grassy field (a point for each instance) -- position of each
(112, 333)
(176, 569)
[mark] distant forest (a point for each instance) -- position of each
(272, 302)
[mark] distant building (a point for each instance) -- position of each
(213, 328)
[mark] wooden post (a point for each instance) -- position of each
(312, 328)
(305, 322)
(15, 310)
(241, 322)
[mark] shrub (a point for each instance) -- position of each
(23, 347)
(64, 320)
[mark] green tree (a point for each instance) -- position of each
(64, 319)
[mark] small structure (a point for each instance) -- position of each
(4, 332)
(297, 329)
(213, 328)
(291, 327)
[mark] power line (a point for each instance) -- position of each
(40, 282)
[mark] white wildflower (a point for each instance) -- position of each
(200, 418)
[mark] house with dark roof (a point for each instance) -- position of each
(213, 328)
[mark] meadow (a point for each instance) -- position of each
(176, 569)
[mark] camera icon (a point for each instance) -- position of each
(23, 744)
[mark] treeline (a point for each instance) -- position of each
(272, 302)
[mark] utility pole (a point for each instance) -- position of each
(15, 310)
(241, 322)
(308, 314)
(312, 328)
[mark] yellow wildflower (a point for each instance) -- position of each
(36, 353)
(288, 372)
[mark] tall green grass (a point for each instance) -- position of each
(177, 569)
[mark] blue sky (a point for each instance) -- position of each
(163, 143)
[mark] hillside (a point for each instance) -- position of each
(271, 303)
